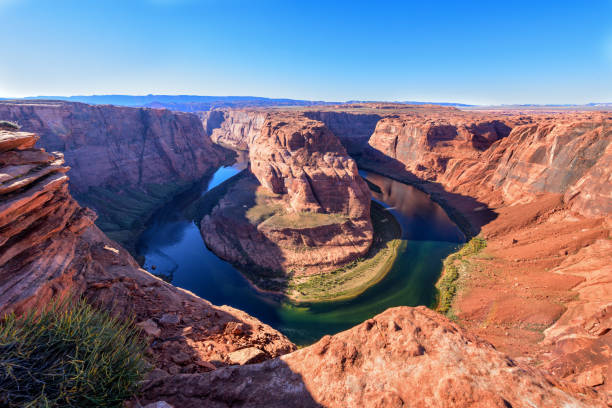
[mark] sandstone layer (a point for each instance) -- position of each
(540, 194)
(235, 129)
(404, 357)
(49, 247)
(301, 208)
(125, 161)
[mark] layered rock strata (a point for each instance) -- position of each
(49, 247)
(541, 197)
(402, 357)
(125, 161)
(235, 129)
(302, 207)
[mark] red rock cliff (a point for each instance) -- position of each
(106, 144)
(542, 197)
(49, 247)
(125, 161)
(305, 209)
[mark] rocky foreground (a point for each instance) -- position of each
(302, 207)
(404, 357)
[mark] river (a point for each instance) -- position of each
(172, 246)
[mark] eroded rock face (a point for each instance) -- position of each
(425, 143)
(352, 129)
(541, 197)
(402, 357)
(125, 162)
(305, 161)
(106, 144)
(237, 128)
(49, 247)
(303, 207)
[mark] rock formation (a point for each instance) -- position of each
(536, 187)
(304, 208)
(541, 196)
(235, 129)
(402, 357)
(352, 129)
(49, 247)
(125, 161)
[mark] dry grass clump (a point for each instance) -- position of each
(68, 355)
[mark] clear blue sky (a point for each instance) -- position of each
(483, 52)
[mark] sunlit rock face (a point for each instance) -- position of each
(304, 206)
(49, 248)
(125, 162)
(402, 357)
(106, 144)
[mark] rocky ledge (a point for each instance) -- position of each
(541, 196)
(49, 247)
(402, 357)
(302, 208)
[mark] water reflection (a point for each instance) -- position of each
(173, 245)
(420, 217)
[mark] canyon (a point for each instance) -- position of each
(302, 207)
(125, 162)
(531, 313)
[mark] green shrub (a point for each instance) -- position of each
(447, 286)
(9, 125)
(68, 355)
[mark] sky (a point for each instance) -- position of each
(477, 52)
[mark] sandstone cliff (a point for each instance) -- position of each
(49, 247)
(235, 129)
(403, 357)
(352, 129)
(541, 197)
(304, 208)
(125, 161)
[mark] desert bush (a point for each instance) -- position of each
(68, 355)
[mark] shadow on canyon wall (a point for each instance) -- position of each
(271, 384)
(232, 236)
(467, 212)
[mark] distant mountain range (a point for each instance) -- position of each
(185, 103)
(194, 103)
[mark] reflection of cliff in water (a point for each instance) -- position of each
(420, 217)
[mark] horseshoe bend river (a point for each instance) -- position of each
(172, 244)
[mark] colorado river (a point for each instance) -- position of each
(173, 245)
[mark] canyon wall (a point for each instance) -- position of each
(235, 129)
(303, 208)
(425, 144)
(125, 161)
(352, 129)
(50, 248)
(542, 197)
(106, 144)
(561, 154)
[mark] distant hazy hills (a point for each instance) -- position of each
(193, 103)
(186, 103)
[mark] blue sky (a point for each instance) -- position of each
(482, 52)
